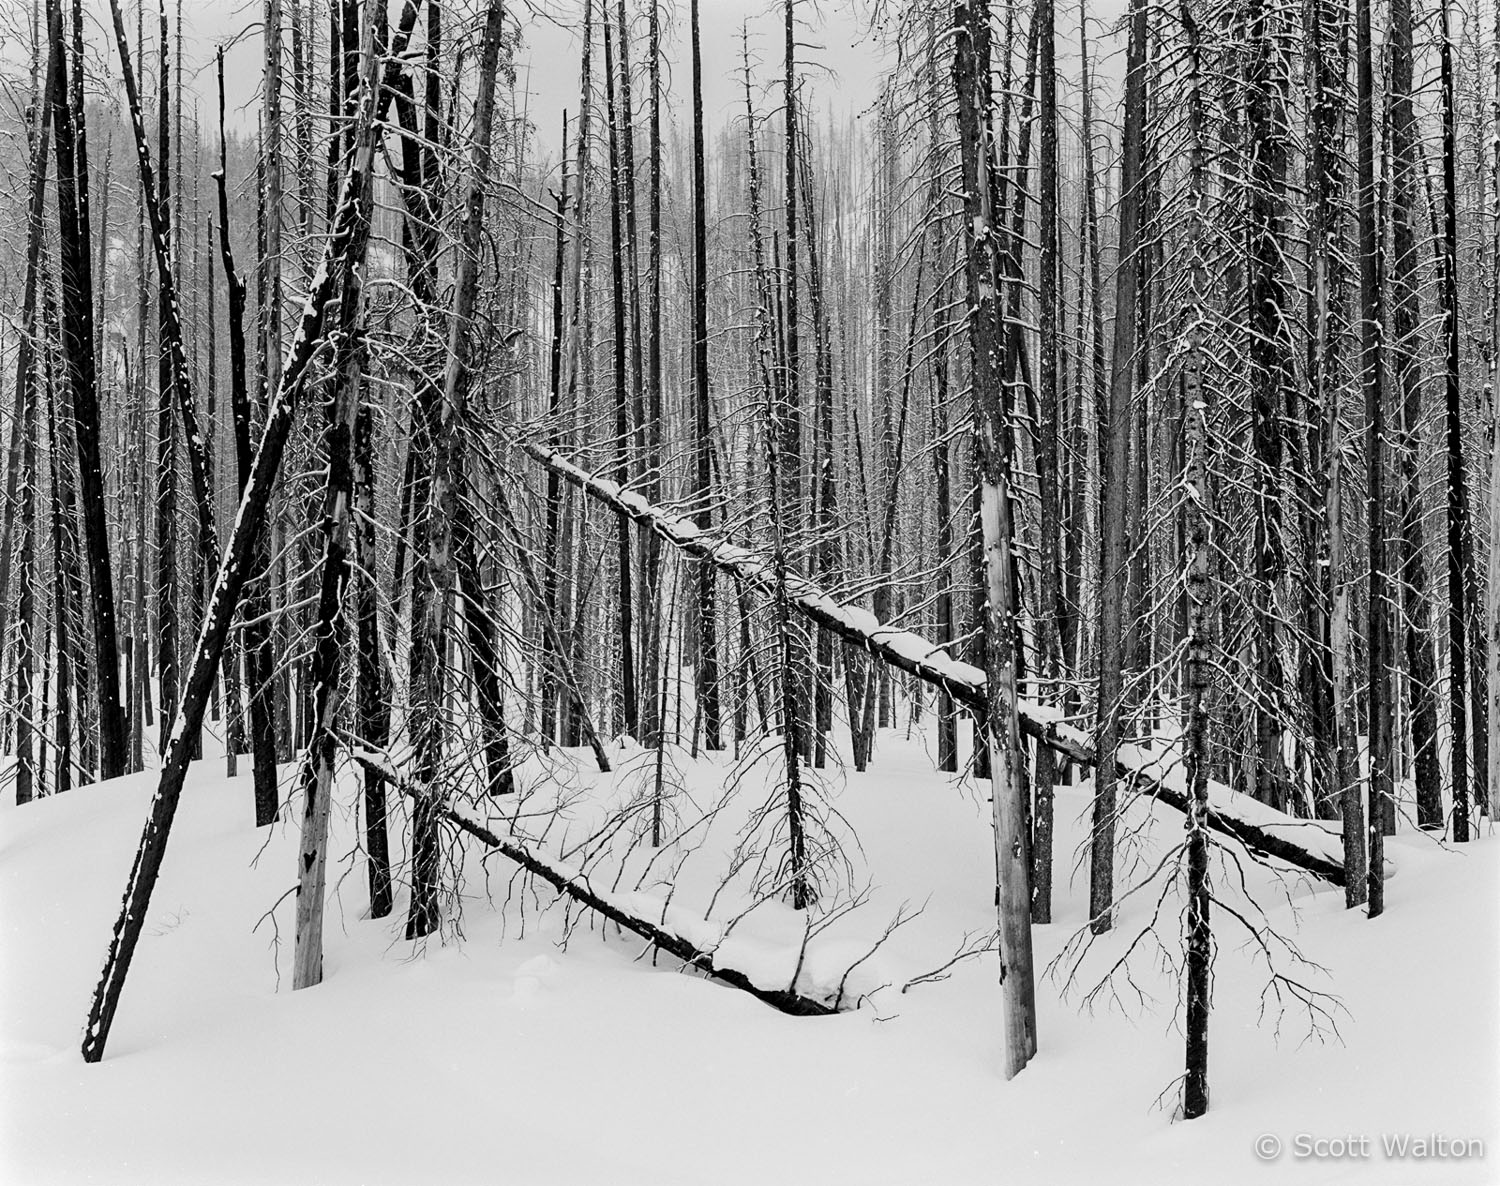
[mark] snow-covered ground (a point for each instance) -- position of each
(507, 1058)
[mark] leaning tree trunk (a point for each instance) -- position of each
(345, 246)
(173, 370)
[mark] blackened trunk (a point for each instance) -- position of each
(343, 251)
(1406, 316)
(1371, 379)
(1113, 482)
(435, 573)
(258, 657)
(706, 671)
(78, 358)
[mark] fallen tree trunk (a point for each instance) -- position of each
(1303, 844)
(574, 883)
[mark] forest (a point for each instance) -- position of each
(1012, 546)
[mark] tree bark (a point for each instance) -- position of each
(258, 658)
(26, 356)
(331, 629)
(576, 885)
(629, 704)
(911, 653)
(1200, 597)
(435, 575)
(1112, 554)
(1371, 379)
(373, 707)
(78, 357)
(1270, 359)
(1048, 465)
(342, 251)
(706, 671)
(971, 79)
(1406, 316)
(1457, 483)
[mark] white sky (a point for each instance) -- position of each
(831, 38)
(842, 65)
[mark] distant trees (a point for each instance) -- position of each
(978, 369)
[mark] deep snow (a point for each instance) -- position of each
(504, 1058)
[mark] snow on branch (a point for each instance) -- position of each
(698, 942)
(1265, 832)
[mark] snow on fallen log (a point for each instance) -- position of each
(772, 975)
(1304, 844)
(1307, 844)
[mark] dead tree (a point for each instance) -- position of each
(1371, 379)
(1200, 596)
(373, 704)
(434, 579)
(168, 601)
(971, 80)
(75, 244)
(1112, 478)
(1049, 475)
(256, 650)
(629, 703)
(659, 932)
(1342, 734)
(1303, 844)
(1457, 480)
(1406, 320)
(26, 357)
(331, 630)
(345, 245)
(1270, 371)
(706, 670)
